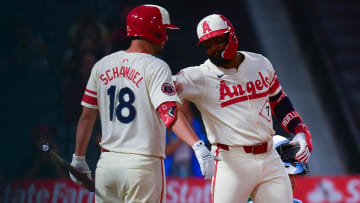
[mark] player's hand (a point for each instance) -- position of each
(178, 86)
(79, 163)
(304, 140)
(205, 159)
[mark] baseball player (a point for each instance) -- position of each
(134, 95)
(237, 92)
(287, 154)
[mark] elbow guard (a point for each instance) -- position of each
(167, 113)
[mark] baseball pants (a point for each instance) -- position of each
(129, 178)
(240, 175)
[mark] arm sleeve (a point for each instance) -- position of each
(160, 85)
(193, 82)
(90, 95)
(284, 112)
(281, 105)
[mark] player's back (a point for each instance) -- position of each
(127, 92)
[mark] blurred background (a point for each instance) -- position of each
(48, 48)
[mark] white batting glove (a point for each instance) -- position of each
(79, 163)
(205, 159)
(303, 154)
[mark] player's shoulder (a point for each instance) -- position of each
(192, 71)
(154, 65)
(254, 56)
(108, 59)
(257, 58)
(155, 61)
(205, 66)
(192, 68)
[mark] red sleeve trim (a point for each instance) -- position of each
(89, 99)
(90, 91)
(274, 86)
(274, 103)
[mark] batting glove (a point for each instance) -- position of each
(304, 140)
(79, 163)
(205, 159)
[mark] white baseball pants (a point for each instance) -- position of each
(129, 178)
(240, 175)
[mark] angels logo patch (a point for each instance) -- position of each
(168, 89)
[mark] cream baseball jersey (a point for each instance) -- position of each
(234, 104)
(127, 88)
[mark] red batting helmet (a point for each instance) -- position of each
(149, 22)
(215, 25)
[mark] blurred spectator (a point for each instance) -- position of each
(74, 85)
(2, 175)
(87, 34)
(42, 165)
(89, 40)
(179, 155)
(28, 52)
(117, 28)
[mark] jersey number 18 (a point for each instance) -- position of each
(122, 104)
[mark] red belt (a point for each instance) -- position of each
(255, 149)
(104, 150)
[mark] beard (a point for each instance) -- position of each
(219, 61)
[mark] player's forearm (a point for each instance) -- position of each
(284, 112)
(182, 129)
(84, 130)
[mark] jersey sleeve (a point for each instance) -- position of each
(160, 85)
(193, 82)
(90, 95)
(275, 86)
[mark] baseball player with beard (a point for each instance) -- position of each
(237, 92)
(134, 94)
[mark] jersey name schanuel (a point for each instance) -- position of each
(127, 88)
(124, 72)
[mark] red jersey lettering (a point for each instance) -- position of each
(237, 93)
(124, 72)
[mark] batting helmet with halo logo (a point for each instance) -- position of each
(215, 25)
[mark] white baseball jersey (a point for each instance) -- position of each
(127, 88)
(234, 104)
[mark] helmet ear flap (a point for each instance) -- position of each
(233, 43)
(231, 47)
